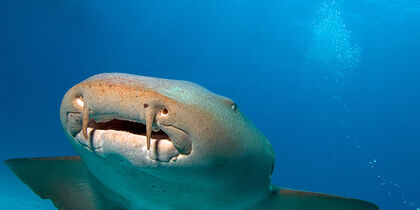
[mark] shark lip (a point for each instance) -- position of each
(74, 121)
(127, 133)
(161, 150)
(132, 127)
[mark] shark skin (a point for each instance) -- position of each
(151, 143)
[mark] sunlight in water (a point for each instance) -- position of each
(333, 56)
(330, 45)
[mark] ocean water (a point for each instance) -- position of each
(334, 84)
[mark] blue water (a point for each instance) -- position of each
(334, 85)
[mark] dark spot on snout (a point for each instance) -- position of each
(218, 165)
(145, 105)
(153, 186)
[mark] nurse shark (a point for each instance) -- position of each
(151, 143)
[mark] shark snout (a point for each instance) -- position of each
(123, 112)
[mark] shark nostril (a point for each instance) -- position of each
(164, 112)
(79, 102)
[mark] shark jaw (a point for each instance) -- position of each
(161, 150)
(106, 134)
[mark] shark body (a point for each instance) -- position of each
(150, 143)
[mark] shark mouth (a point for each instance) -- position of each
(135, 128)
(124, 134)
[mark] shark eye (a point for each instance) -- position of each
(234, 107)
(164, 112)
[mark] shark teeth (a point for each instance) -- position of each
(114, 141)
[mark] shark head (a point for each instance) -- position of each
(152, 140)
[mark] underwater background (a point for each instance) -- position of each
(334, 85)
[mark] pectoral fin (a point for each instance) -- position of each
(285, 199)
(64, 180)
